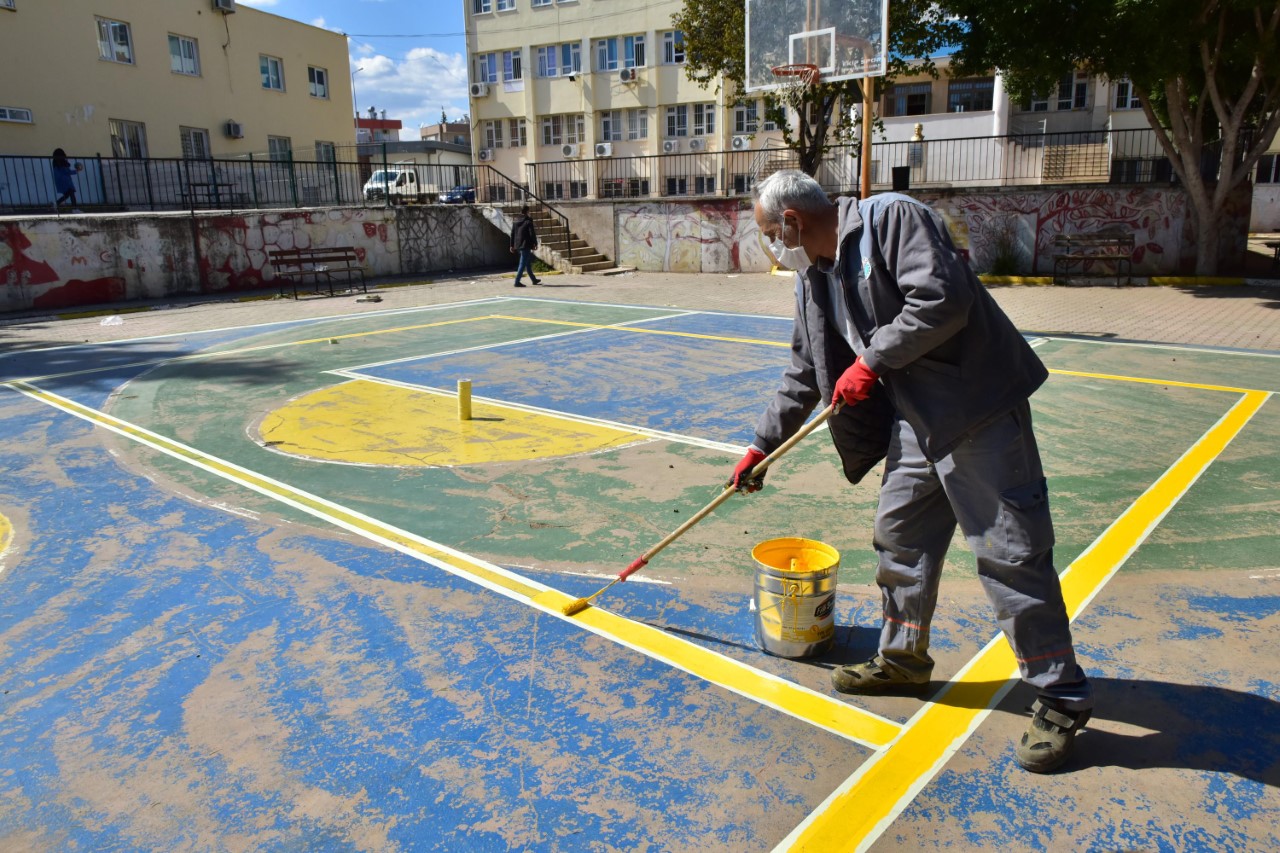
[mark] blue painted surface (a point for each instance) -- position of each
(774, 329)
(706, 389)
(460, 720)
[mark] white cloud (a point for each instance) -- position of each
(413, 89)
(260, 4)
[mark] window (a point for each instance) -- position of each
(624, 187)
(511, 65)
(15, 114)
(128, 138)
(184, 57)
(967, 96)
(908, 99)
(704, 185)
(1126, 97)
(638, 126)
(487, 68)
(559, 60)
(195, 143)
(609, 59)
(1073, 91)
(537, 3)
(326, 152)
(318, 81)
(272, 72)
(1268, 169)
(611, 126)
(114, 41)
(519, 134)
(506, 5)
(11, 4)
(746, 118)
(677, 186)
(557, 130)
(704, 119)
(479, 7)
(1038, 104)
(279, 148)
(492, 131)
(678, 120)
(672, 47)
(577, 189)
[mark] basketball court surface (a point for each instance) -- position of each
(262, 589)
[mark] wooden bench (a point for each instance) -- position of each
(1274, 245)
(1107, 249)
(320, 265)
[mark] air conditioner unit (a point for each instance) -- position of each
(741, 143)
(627, 75)
(697, 144)
(670, 146)
(479, 90)
(226, 7)
(604, 149)
(486, 154)
(234, 129)
(569, 150)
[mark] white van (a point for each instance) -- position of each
(401, 184)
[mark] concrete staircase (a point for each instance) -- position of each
(573, 255)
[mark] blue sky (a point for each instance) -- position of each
(413, 53)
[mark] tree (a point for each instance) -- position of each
(715, 50)
(1207, 73)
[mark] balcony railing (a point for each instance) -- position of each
(1121, 156)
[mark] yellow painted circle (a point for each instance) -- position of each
(369, 423)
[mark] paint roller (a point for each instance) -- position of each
(581, 604)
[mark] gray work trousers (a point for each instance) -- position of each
(992, 484)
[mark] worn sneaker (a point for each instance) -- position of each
(1046, 745)
(876, 678)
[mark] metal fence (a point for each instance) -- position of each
(376, 178)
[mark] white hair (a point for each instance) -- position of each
(789, 189)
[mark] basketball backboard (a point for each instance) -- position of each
(843, 38)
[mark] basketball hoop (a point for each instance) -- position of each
(793, 80)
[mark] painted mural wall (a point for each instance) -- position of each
(49, 263)
(1016, 226)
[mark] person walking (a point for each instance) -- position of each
(64, 178)
(524, 239)
(888, 316)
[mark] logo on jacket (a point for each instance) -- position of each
(866, 268)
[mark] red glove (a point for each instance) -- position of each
(742, 480)
(855, 384)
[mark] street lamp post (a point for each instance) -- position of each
(355, 102)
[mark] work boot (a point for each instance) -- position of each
(876, 678)
(518, 284)
(1046, 745)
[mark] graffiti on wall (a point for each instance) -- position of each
(706, 236)
(433, 238)
(1016, 230)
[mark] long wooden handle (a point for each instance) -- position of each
(760, 468)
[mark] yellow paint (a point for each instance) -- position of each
(861, 809)
(794, 554)
(807, 705)
(464, 399)
(6, 534)
(372, 423)
(1144, 381)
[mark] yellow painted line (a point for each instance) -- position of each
(643, 331)
(6, 534)
(1145, 381)
(800, 702)
(857, 812)
(373, 423)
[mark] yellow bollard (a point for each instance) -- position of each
(464, 399)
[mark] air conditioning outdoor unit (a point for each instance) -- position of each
(604, 149)
(569, 150)
(479, 90)
(697, 144)
(670, 146)
(741, 143)
(234, 129)
(226, 7)
(486, 154)
(627, 75)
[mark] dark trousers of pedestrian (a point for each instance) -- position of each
(525, 265)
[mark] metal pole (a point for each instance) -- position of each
(867, 105)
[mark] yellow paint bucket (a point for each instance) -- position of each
(795, 596)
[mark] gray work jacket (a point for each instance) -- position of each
(949, 358)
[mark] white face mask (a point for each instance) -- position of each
(794, 259)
